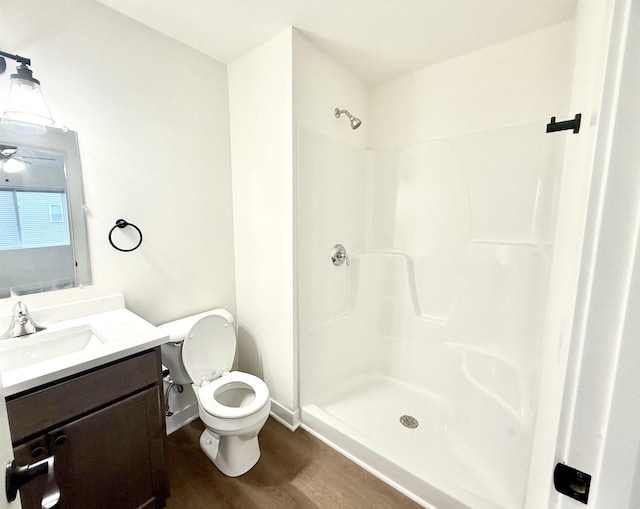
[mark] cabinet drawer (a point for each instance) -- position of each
(45, 408)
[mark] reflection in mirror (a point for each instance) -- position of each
(43, 240)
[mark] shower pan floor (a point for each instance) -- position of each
(366, 419)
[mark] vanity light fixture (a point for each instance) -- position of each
(25, 103)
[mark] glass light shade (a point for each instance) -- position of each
(26, 103)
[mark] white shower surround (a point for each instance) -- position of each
(449, 219)
(439, 314)
(465, 258)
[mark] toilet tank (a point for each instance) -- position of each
(177, 331)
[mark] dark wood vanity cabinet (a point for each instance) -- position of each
(105, 429)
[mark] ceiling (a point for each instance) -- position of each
(376, 39)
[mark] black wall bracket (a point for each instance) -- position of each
(17, 58)
(571, 482)
(565, 125)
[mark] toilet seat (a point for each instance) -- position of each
(206, 395)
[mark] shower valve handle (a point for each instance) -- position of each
(339, 255)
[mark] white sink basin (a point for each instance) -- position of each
(46, 345)
(80, 336)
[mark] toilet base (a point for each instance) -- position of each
(233, 455)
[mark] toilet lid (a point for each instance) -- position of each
(209, 349)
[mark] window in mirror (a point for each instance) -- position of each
(55, 211)
(33, 219)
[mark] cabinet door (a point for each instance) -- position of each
(105, 460)
(6, 453)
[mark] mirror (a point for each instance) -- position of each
(43, 237)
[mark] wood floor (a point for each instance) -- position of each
(295, 470)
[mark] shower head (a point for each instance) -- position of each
(355, 122)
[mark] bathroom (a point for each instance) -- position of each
(220, 181)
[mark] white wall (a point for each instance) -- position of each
(260, 98)
(152, 122)
(523, 79)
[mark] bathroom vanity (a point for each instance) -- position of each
(98, 410)
(105, 429)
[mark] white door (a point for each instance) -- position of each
(6, 453)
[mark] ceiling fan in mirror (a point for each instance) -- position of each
(13, 159)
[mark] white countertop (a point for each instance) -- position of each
(121, 332)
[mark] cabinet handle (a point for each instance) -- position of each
(37, 451)
(16, 476)
(60, 439)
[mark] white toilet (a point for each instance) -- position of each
(233, 405)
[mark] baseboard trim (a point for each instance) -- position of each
(285, 416)
(181, 418)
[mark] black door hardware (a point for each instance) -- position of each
(17, 476)
(565, 125)
(571, 482)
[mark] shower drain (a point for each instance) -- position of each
(408, 421)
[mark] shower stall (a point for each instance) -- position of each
(422, 346)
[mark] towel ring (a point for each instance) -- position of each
(121, 223)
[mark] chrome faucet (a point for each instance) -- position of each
(21, 323)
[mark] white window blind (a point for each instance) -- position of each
(26, 220)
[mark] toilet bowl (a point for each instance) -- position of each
(232, 405)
